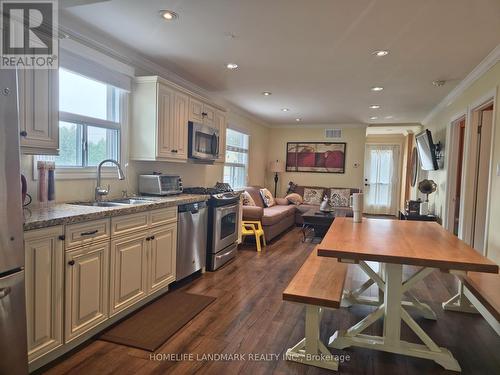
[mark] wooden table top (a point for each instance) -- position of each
(418, 243)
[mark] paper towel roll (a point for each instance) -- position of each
(357, 206)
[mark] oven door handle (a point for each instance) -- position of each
(225, 209)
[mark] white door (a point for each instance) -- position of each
(381, 179)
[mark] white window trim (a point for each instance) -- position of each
(243, 131)
(90, 173)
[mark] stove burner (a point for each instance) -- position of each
(220, 195)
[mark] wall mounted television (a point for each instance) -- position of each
(426, 151)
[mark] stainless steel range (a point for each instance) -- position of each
(222, 224)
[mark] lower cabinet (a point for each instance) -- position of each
(44, 289)
(163, 248)
(128, 278)
(87, 286)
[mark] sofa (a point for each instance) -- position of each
(304, 207)
(278, 218)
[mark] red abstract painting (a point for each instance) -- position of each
(319, 157)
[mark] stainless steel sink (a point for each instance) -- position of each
(115, 203)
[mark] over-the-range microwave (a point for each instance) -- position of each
(203, 142)
(159, 184)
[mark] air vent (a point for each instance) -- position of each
(333, 133)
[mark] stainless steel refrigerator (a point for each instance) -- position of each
(13, 346)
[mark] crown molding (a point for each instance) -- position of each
(301, 126)
(486, 64)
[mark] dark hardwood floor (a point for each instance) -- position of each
(249, 317)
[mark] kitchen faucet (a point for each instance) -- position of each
(102, 191)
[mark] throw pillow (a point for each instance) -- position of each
(267, 197)
(339, 197)
(294, 198)
(313, 196)
(247, 199)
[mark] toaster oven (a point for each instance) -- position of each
(159, 184)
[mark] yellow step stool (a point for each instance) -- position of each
(253, 228)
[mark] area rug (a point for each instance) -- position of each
(154, 324)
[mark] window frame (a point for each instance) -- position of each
(238, 149)
(89, 172)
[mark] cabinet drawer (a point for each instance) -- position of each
(87, 232)
(163, 216)
(129, 223)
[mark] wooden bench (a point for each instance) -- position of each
(319, 283)
(483, 290)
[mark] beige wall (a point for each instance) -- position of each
(192, 174)
(354, 136)
(438, 124)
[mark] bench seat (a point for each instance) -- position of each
(318, 283)
(485, 287)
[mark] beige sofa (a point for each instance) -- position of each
(276, 219)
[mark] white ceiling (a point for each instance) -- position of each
(314, 56)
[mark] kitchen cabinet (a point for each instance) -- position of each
(39, 111)
(159, 121)
(44, 270)
(220, 124)
(87, 285)
(162, 248)
(201, 112)
(128, 276)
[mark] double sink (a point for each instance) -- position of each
(115, 203)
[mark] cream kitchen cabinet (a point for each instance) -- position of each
(129, 267)
(143, 259)
(201, 112)
(39, 111)
(159, 121)
(220, 124)
(163, 246)
(44, 270)
(86, 288)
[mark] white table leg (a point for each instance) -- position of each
(459, 302)
(311, 350)
(393, 313)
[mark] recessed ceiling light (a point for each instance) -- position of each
(285, 109)
(168, 15)
(373, 118)
(267, 93)
(438, 83)
(380, 53)
(377, 88)
(374, 106)
(298, 119)
(232, 66)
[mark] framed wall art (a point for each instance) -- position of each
(319, 157)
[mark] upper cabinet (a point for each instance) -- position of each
(39, 111)
(160, 115)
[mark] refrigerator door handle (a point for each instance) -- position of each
(4, 292)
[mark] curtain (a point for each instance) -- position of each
(381, 177)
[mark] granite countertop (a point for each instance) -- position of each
(65, 213)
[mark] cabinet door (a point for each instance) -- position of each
(165, 118)
(180, 126)
(87, 284)
(220, 122)
(163, 249)
(128, 271)
(39, 111)
(208, 115)
(195, 110)
(44, 271)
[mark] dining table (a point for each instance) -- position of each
(427, 247)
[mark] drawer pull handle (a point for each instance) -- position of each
(23, 133)
(152, 237)
(89, 233)
(148, 238)
(62, 237)
(71, 262)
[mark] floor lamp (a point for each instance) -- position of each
(276, 167)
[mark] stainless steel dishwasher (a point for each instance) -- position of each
(191, 239)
